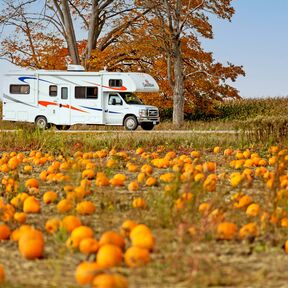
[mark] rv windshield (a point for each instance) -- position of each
(130, 98)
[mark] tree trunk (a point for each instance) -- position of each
(92, 29)
(178, 91)
(70, 33)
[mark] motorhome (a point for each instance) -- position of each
(65, 98)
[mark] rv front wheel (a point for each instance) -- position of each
(41, 123)
(63, 127)
(147, 125)
(130, 123)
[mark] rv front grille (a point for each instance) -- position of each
(153, 113)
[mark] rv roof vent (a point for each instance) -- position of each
(75, 68)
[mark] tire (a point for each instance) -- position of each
(63, 127)
(130, 123)
(41, 123)
(147, 126)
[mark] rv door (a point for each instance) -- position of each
(115, 109)
(60, 113)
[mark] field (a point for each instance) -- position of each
(214, 206)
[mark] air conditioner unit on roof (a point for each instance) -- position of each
(72, 67)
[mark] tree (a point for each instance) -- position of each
(105, 19)
(205, 80)
(180, 20)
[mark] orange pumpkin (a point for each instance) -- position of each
(110, 281)
(31, 205)
(20, 217)
(65, 205)
(17, 233)
(147, 169)
(127, 227)
(88, 246)
(139, 203)
(85, 272)
(80, 233)
(111, 237)
(136, 257)
(143, 240)
(5, 232)
(52, 225)
(151, 181)
(133, 186)
(31, 244)
(88, 174)
(109, 256)
(85, 208)
(101, 180)
(32, 183)
(249, 230)
(70, 222)
(253, 210)
(49, 197)
(226, 230)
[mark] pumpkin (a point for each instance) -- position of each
(226, 230)
(85, 272)
(136, 257)
(109, 256)
(5, 232)
(70, 222)
(31, 244)
(110, 281)
(31, 205)
(111, 237)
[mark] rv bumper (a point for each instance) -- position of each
(155, 121)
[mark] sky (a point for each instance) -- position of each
(256, 38)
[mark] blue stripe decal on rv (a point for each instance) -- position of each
(99, 109)
(24, 78)
(96, 109)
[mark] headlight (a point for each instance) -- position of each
(143, 113)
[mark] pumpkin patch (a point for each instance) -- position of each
(104, 217)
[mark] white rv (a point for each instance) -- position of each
(65, 98)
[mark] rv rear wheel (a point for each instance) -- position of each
(130, 123)
(147, 125)
(63, 127)
(41, 123)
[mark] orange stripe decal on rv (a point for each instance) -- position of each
(46, 103)
(73, 108)
(123, 88)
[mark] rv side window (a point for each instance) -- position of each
(114, 99)
(80, 92)
(52, 90)
(86, 92)
(115, 83)
(19, 89)
(64, 93)
(92, 92)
